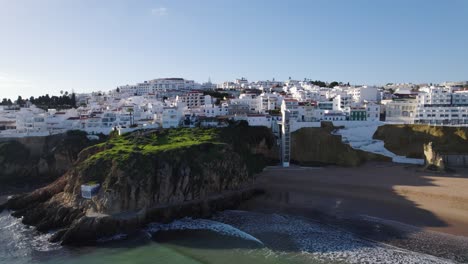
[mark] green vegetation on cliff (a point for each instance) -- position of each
(138, 151)
(147, 176)
(408, 140)
(120, 148)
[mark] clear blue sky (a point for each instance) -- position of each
(52, 45)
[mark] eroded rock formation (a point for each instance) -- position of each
(433, 160)
(144, 177)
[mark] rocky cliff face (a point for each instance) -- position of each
(318, 146)
(39, 159)
(409, 140)
(147, 176)
(433, 160)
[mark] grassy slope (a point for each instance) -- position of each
(120, 148)
(147, 145)
(408, 140)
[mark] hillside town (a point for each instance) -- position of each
(177, 102)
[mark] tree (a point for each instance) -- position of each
(319, 83)
(117, 90)
(73, 100)
(20, 101)
(333, 84)
(64, 101)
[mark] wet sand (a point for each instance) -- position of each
(395, 204)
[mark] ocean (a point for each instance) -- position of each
(229, 237)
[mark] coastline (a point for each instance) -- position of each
(320, 212)
(11, 190)
(393, 204)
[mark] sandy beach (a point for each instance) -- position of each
(387, 202)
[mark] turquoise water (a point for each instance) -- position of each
(230, 237)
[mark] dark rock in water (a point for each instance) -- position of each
(148, 176)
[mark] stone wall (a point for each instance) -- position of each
(456, 160)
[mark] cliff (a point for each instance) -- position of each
(409, 140)
(318, 146)
(149, 176)
(39, 159)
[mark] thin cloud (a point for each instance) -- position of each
(160, 11)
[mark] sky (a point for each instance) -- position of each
(85, 45)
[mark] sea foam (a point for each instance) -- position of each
(202, 224)
(318, 241)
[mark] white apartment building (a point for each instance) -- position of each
(440, 105)
(333, 116)
(157, 85)
(372, 111)
(211, 110)
(194, 99)
(242, 82)
(291, 106)
(400, 110)
(269, 102)
(31, 120)
(254, 102)
(170, 117)
(364, 93)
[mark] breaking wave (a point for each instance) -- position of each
(318, 241)
(19, 242)
(202, 224)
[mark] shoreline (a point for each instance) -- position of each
(388, 203)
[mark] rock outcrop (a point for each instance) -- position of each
(148, 176)
(39, 159)
(433, 160)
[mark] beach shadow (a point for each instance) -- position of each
(367, 201)
(329, 211)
